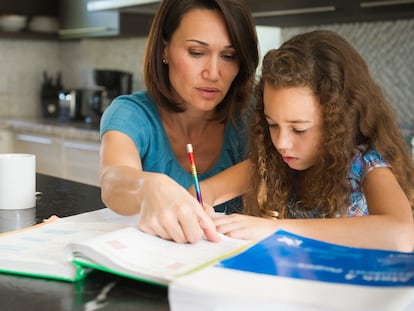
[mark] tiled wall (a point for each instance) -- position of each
(387, 47)
(79, 58)
(22, 63)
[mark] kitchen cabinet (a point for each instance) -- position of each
(6, 141)
(29, 9)
(60, 156)
(77, 22)
(81, 161)
(46, 148)
(288, 13)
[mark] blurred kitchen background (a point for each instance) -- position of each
(69, 40)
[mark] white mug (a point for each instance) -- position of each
(17, 219)
(17, 181)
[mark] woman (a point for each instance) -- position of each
(327, 159)
(199, 69)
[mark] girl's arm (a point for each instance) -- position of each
(390, 223)
(226, 185)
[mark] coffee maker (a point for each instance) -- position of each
(110, 84)
(114, 83)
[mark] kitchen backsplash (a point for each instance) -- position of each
(387, 47)
(79, 58)
(23, 63)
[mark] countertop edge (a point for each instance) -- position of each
(72, 130)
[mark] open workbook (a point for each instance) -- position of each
(67, 249)
(132, 253)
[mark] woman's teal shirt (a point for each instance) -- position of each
(136, 115)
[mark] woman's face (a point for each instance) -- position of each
(201, 59)
(294, 118)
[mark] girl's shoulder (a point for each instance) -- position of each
(365, 160)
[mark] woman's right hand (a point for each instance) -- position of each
(207, 196)
(169, 211)
(166, 208)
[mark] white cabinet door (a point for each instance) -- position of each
(47, 149)
(6, 141)
(81, 161)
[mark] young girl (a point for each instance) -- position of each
(327, 159)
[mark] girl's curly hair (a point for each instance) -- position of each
(354, 112)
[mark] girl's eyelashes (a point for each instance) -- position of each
(299, 132)
(296, 131)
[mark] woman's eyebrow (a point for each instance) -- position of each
(197, 41)
(206, 44)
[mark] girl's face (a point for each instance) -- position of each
(294, 118)
(202, 61)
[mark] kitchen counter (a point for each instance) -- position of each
(77, 130)
(68, 150)
(99, 291)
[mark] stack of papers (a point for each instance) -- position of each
(294, 273)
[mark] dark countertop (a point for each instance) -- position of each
(99, 290)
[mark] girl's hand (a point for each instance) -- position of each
(245, 227)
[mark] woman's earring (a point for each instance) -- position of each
(164, 61)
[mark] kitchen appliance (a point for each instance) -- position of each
(50, 95)
(80, 105)
(114, 83)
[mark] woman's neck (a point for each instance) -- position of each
(193, 126)
(197, 129)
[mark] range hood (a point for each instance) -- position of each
(130, 6)
(285, 13)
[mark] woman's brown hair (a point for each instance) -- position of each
(242, 33)
(354, 113)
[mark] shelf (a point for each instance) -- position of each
(28, 35)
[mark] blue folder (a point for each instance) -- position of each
(290, 255)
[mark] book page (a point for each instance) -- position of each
(39, 249)
(135, 253)
(104, 215)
